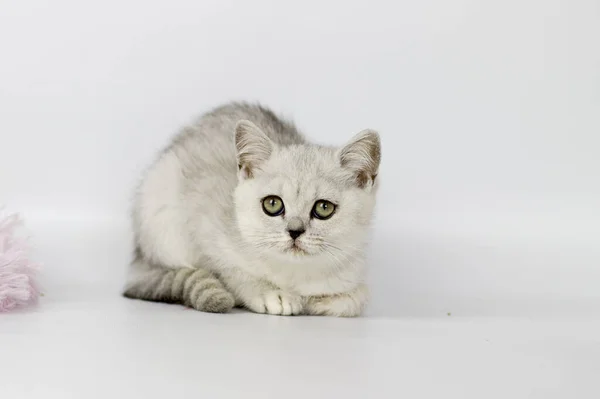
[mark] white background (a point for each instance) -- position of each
(489, 113)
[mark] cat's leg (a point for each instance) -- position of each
(260, 296)
(196, 288)
(347, 304)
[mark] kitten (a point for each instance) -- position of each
(241, 211)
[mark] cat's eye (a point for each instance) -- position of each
(323, 209)
(273, 205)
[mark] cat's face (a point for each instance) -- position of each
(305, 201)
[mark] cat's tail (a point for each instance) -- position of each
(196, 288)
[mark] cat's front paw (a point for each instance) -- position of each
(348, 304)
(276, 302)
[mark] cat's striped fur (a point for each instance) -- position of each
(197, 288)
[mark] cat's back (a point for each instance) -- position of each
(220, 123)
(209, 142)
(278, 129)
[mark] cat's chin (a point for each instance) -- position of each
(297, 250)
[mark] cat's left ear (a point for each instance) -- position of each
(362, 156)
(253, 148)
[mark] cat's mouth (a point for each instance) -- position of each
(296, 249)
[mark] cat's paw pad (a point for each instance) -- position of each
(277, 303)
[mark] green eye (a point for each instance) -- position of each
(273, 205)
(323, 209)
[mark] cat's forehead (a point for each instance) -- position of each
(306, 160)
(305, 173)
(308, 190)
(307, 186)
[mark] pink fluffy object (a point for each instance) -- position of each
(17, 272)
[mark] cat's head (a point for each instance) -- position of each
(305, 200)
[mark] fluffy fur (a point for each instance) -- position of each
(202, 237)
(17, 272)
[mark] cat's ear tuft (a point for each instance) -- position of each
(362, 156)
(253, 147)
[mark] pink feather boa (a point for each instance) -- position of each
(17, 272)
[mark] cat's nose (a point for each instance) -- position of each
(296, 233)
(295, 227)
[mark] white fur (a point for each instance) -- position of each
(195, 208)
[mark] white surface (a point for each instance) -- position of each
(85, 341)
(489, 116)
(90, 346)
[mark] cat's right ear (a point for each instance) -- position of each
(253, 148)
(362, 156)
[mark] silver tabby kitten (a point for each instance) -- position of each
(241, 210)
